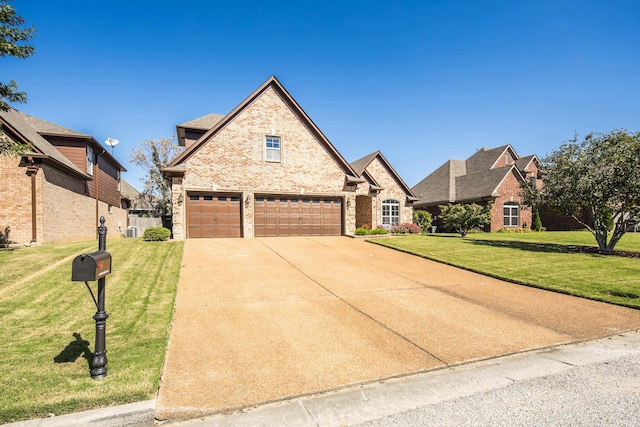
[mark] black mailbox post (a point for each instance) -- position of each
(89, 268)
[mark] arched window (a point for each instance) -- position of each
(511, 214)
(390, 212)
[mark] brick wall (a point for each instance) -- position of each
(233, 161)
(15, 202)
(391, 190)
(63, 212)
(509, 191)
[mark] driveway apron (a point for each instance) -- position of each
(261, 320)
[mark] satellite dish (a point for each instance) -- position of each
(111, 142)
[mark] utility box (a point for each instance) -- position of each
(91, 267)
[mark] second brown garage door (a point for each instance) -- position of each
(213, 215)
(291, 216)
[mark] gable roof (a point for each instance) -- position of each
(486, 158)
(271, 82)
(473, 179)
(360, 166)
(32, 130)
(22, 124)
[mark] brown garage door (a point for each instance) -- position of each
(291, 216)
(213, 215)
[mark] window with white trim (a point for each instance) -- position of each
(390, 212)
(90, 160)
(272, 148)
(511, 212)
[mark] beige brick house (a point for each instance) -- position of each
(60, 187)
(265, 169)
(489, 175)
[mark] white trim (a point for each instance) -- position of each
(266, 150)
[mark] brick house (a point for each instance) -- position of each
(60, 187)
(265, 169)
(490, 175)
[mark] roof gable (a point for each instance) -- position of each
(360, 166)
(273, 83)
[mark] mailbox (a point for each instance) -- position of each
(91, 267)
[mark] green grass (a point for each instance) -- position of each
(47, 332)
(546, 260)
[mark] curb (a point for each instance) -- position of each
(138, 413)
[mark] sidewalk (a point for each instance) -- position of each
(402, 401)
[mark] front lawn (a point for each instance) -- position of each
(48, 334)
(549, 260)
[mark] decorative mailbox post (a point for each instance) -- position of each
(89, 268)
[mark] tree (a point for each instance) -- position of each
(599, 175)
(153, 156)
(422, 219)
(464, 217)
(12, 38)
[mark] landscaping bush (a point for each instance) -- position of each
(422, 219)
(379, 230)
(156, 234)
(536, 222)
(405, 228)
(364, 231)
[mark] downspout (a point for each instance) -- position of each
(32, 170)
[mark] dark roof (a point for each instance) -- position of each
(473, 179)
(271, 82)
(484, 159)
(28, 126)
(480, 185)
(32, 129)
(437, 187)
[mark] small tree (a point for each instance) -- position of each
(12, 38)
(536, 222)
(599, 175)
(464, 217)
(153, 156)
(422, 219)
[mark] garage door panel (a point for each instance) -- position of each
(293, 216)
(211, 215)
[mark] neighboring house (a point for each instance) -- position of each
(60, 187)
(265, 169)
(490, 175)
(384, 199)
(139, 203)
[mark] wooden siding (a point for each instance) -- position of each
(72, 149)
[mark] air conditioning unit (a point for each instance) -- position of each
(132, 231)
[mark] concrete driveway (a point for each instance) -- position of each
(260, 320)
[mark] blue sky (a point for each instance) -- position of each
(422, 81)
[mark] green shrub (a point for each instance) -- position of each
(379, 230)
(156, 234)
(422, 219)
(361, 231)
(536, 221)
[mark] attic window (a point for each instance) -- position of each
(90, 160)
(272, 148)
(507, 159)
